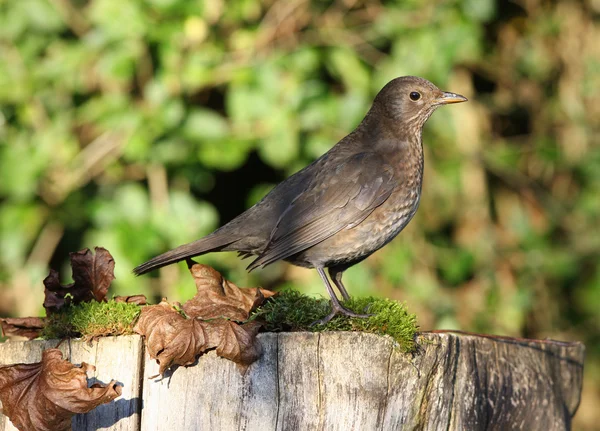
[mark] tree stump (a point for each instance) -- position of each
(336, 381)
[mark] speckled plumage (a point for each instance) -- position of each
(344, 206)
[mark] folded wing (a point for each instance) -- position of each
(343, 200)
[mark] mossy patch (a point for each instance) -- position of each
(293, 311)
(92, 319)
(288, 311)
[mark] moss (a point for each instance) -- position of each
(92, 319)
(293, 311)
(288, 311)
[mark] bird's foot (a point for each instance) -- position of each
(338, 309)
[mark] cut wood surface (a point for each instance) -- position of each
(336, 381)
(118, 358)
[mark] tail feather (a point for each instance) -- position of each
(196, 248)
(244, 254)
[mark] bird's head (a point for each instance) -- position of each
(411, 100)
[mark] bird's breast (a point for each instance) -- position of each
(390, 218)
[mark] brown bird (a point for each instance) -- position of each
(344, 206)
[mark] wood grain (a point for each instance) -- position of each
(116, 358)
(215, 394)
(337, 381)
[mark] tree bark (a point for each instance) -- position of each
(337, 381)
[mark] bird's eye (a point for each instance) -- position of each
(414, 95)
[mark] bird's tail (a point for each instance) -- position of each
(213, 242)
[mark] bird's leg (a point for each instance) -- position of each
(336, 307)
(336, 276)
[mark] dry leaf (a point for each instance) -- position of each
(236, 342)
(45, 395)
(29, 327)
(92, 275)
(173, 339)
(133, 299)
(170, 338)
(217, 297)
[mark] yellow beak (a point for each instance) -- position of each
(451, 98)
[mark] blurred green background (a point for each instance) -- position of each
(141, 125)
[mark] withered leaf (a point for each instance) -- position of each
(170, 338)
(29, 327)
(218, 297)
(95, 271)
(92, 275)
(45, 395)
(236, 342)
(133, 299)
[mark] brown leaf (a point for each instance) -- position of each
(92, 275)
(29, 327)
(133, 299)
(170, 338)
(217, 297)
(237, 343)
(45, 395)
(94, 271)
(173, 339)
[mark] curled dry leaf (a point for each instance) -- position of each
(237, 342)
(45, 395)
(170, 338)
(133, 299)
(173, 339)
(29, 327)
(92, 275)
(218, 297)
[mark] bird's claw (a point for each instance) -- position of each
(338, 309)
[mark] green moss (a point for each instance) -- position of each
(92, 319)
(288, 311)
(293, 311)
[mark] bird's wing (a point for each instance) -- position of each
(334, 201)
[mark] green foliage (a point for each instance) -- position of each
(92, 319)
(293, 311)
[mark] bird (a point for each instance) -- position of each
(344, 206)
